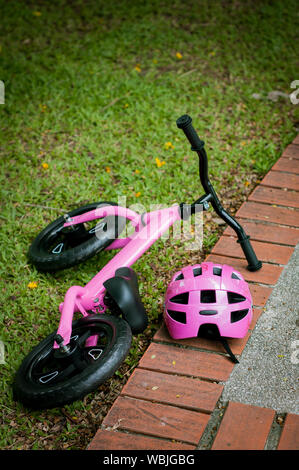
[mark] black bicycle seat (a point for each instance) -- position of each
(124, 292)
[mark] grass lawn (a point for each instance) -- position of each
(92, 93)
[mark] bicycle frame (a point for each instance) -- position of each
(149, 227)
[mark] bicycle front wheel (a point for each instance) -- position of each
(47, 378)
(58, 247)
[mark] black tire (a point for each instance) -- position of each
(74, 246)
(47, 380)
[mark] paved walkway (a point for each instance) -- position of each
(187, 395)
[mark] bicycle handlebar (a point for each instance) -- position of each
(197, 145)
(185, 123)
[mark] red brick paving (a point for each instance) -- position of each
(182, 392)
(281, 180)
(289, 439)
(175, 360)
(267, 213)
(114, 440)
(155, 419)
(277, 196)
(244, 427)
(167, 402)
(288, 164)
(279, 254)
(265, 232)
(260, 294)
(291, 150)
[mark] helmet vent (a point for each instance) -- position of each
(238, 315)
(208, 296)
(208, 312)
(208, 331)
(197, 272)
(234, 298)
(180, 298)
(234, 276)
(179, 277)
(217, 271)
(177, 316)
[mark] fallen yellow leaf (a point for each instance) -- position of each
(32, 285)
(159, 163)
(168, 145)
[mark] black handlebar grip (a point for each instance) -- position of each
(185, 123)
(253, 263)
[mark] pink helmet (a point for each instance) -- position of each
(208, 294)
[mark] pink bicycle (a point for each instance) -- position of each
(74, 360)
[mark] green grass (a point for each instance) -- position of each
(75, 100)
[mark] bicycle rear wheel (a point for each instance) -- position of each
(57, 247)
(48, 378)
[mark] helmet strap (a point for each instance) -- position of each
(228, 349)
(210, 332)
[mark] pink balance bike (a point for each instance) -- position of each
(74, 360)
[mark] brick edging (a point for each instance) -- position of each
(172, 397)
